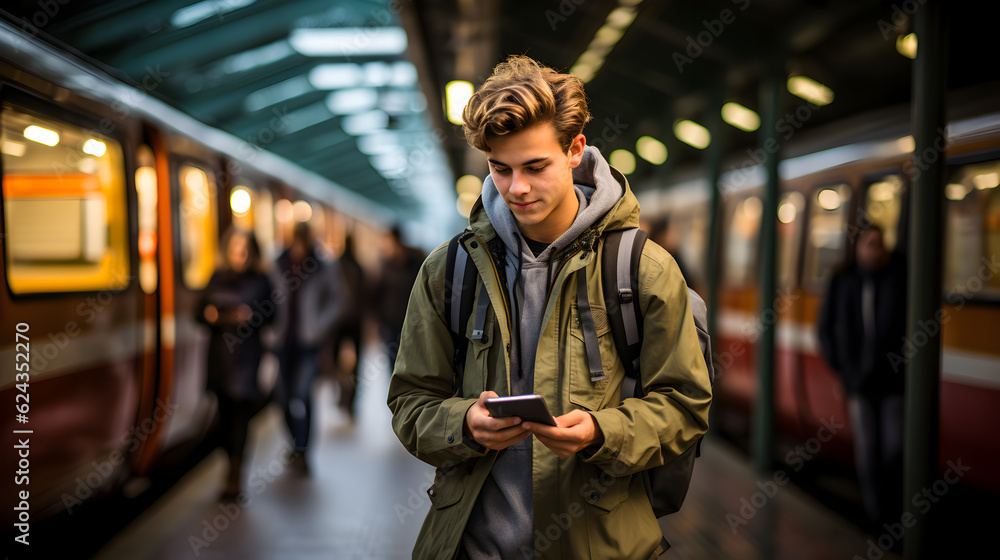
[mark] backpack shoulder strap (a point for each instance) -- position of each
(459, 290)
(620, 281)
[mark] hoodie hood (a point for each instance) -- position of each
(599, 188)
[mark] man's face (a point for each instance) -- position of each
(871, 252)
(535, 178)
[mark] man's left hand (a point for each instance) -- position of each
(572, 432)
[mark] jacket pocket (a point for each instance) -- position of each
(593, 395)
(603, 490)
(448, 487)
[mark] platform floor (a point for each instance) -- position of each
(365, 498)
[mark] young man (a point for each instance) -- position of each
(572, 490)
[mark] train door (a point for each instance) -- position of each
(71, 310)
(792, 329)
(825, 249)
(193, 217)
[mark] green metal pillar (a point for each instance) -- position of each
(770, 102)
(713, 173)
(927, 203)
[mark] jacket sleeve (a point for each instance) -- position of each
(426, 416)
(643, 433)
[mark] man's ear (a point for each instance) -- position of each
(576, 147)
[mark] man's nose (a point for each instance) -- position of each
(519, 184)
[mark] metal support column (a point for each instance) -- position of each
(713, 172)
(770, 102)
(927, 203)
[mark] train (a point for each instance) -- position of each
(833, 182)
(113, 206)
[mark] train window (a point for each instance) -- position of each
(973, 230)
(741, 243)
(883, 204)
(64, 199)
(790, 212)
(145, 188)
(199, 227)
(826, 241)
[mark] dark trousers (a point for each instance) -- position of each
(299, 368)
(348, 383)
(877, 423)
(234, 421)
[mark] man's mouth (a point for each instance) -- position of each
(523, 205)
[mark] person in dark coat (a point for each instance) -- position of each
(400, 267)
(235, 305)
(349, 326)
(862, 328)
(311, 292)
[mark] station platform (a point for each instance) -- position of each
(364, 497)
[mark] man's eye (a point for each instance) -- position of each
(536, 169)
(502, 171)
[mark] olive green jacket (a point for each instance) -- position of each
(588, 505)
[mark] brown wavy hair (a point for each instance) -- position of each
(520, 94)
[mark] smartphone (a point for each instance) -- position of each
(529, 408)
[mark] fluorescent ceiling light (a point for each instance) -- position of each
(352, 101)
(810, 90)
(377, 143)
(190, 15)
(692, 134)
(623, 161)
(254, 58)
(349, 41)
(41, 135)
(303, 118)
(404, 74)
(457, 95)
(95, 148)
(365, 123)
(396, 102)
(906, 45)
(651, 150)
(240, 201)
(336, 76)
(281, 91)
(740, 117)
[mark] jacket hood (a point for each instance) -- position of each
(606, 203)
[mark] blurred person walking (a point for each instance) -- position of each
(235, 305)
(311, 290)
(349, 326)
(400, 266)
(862, 323)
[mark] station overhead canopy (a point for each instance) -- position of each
(658, 71)
(356, 90)
(327, 85)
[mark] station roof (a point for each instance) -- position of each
(649, 64)
(326, 85)
(354, 90)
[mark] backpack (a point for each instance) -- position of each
(666, 485)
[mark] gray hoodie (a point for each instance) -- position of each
(501, 524)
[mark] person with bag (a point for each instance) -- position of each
(235, 305)
(540, 325)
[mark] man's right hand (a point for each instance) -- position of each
(492, 433)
